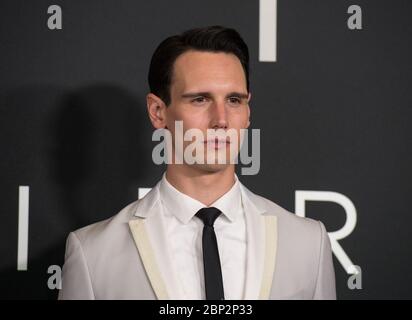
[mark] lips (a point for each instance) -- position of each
(217, 143)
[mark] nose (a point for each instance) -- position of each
(219, 116)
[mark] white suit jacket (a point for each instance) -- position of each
(127, 256)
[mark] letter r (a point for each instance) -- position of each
(301, 196)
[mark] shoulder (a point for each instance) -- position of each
(293, 231)
(105, 232)
(286, 219)
(115, 231)
(289, 219)
(301, 241)
(304, 255)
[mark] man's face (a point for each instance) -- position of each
(208, 91)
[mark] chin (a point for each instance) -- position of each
(211, 168)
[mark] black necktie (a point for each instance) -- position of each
(211, 261)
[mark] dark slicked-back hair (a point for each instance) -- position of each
(207, 39)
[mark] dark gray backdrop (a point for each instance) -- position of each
(334, 114)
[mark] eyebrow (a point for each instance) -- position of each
(209, 95)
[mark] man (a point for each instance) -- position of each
(200, 233)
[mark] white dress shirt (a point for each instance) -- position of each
(184, 231)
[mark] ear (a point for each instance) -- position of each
(156, 109)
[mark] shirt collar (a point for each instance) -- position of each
(184, 207)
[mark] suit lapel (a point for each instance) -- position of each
(270, 256)
(149, 260)
(261, 233)
(149, 234)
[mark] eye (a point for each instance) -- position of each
(199, 100)
(234, 100)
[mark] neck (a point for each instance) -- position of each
(201, 185)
